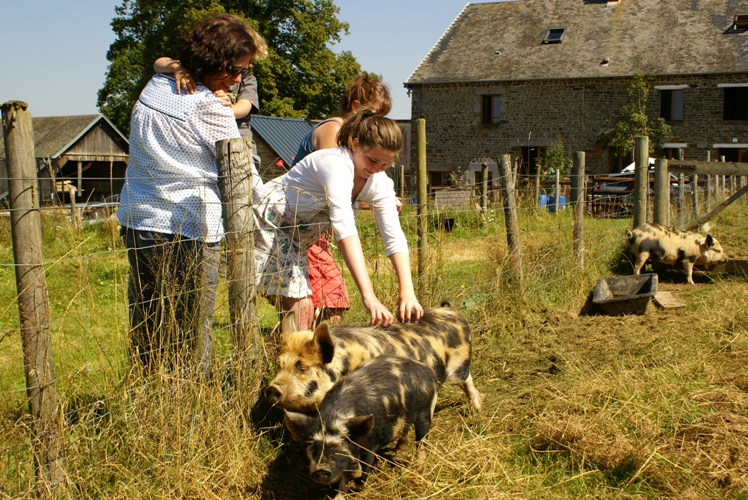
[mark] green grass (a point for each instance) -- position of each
(577, 406)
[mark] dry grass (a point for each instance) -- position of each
(577, 406)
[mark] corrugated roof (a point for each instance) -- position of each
(502, 41)
(281, 134)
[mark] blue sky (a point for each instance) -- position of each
(54, 51)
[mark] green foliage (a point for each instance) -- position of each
(301, 77)
(632, 120)
(555, 158)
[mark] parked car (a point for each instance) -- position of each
(613, 195)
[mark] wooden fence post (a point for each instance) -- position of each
(641, 179)
(401, 179)
(695, 195)
(33, 301)
(510, 218)
(235, 184)
(681, 199)
(484, 196)
(556, 190)
(423, 211)
(661, 213)
(579, 202)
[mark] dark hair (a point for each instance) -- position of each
(372, 131)
(211, 44)
(370, 91)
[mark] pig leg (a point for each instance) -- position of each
(688, 266)
(341, 488)
(422, 427)
(367, 461)
(475, 397)
(641, 259)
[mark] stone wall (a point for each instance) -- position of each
(537, 113)
(268, 168)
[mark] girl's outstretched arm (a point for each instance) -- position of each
(350, 249)
(408, 305)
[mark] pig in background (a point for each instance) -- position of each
(310, 362)
(367, 410)
(669, 246)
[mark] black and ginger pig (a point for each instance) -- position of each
(373, 406)
(669, 246)
(310, 362)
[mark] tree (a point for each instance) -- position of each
(301, 77)
(632, 120)
(555, 158)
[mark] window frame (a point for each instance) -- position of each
(489, 115)
(443, 176)
(550, 37)
(728, 112)
(671, 106)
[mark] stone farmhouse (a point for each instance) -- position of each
(513, 77)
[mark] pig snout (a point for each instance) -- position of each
(273, 394)
(322, 475)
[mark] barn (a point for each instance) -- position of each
(81, 156)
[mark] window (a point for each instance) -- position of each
(554, 35)
(529, 158)
(479, 178)
(671, 105)
(440, 179)
(740, 22)
(732, 154)
(491, 109)
(735, 104)
(674, 152)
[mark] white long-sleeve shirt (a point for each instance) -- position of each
(323, 180)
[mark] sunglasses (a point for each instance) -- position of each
(232, 71)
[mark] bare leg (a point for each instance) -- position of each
(302, 308)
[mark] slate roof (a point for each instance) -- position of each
(283, 135)
(55, 134)
(503, 40)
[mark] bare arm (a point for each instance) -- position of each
(326, 135)
(241, 108)
(169, 66)
(350, 249)
(408, 305)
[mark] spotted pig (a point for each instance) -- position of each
(370, 408)
(310, 362)
(669, 246)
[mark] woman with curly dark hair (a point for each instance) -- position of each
(170, 208)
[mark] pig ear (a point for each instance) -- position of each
(288, 324)
(324, 342)
(709, 240)
(360, 427)
(298, 425)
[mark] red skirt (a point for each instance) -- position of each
(325, 279)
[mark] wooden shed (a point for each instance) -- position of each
(82, 156)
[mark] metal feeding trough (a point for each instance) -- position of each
(625, 294)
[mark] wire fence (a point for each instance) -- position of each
(86, 268)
